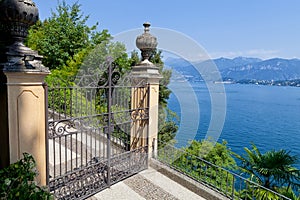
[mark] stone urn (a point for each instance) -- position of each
(146, 42)
(16, 16)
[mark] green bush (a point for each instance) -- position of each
(204, 161)
(17, 181)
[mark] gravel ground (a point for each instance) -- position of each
(147, 189)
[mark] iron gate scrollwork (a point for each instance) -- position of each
(89, 143)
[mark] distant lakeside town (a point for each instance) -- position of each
(293, 83)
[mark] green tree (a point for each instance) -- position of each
(272, 169)
(204, 161)
(63, 35)
(167, 133)
(134, 58)
(65, 76)
(96, 58)
(217, 154)
(72, 49)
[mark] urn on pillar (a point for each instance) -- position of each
(146, 72)
(146, 42)
(16, 16)
(22, 91)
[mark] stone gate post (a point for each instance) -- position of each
(23, 105)
(145, 134)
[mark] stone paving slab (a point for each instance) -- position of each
(147, 185)
(172, 187)
(119, 191)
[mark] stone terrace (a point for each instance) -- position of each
(158, 182)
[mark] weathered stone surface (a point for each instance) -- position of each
(16, 16)
(146, 42)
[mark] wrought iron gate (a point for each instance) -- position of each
(89, 143)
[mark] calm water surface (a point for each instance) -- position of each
(268, 116)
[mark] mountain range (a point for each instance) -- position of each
(242, 68)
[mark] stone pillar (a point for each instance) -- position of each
(148, 74)
(26, 117)
(22, 88)
(139, 105)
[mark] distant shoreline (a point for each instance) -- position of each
(292, 83)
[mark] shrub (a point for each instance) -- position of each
(17, 181)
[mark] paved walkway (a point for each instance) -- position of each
(149, 184)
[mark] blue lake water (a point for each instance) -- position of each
(268, 116)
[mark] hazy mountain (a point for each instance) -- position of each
(224, 63)
(221, 63)
(241, 68)
(178, 62)
(272, 69)
(183, 67)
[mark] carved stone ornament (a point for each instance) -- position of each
(145, 71)
(146, 42)
(16, 16)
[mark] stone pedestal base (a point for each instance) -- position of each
(26, 116)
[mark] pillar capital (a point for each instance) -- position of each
(19, 58)
(147, 72)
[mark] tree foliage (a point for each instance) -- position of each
(203, 161)
(97, 57)
(72, 49)
(217, 154)
(273, 169)
(167, 133)
(63, 35)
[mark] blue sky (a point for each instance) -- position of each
(256, 28)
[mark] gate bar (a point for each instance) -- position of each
(109, 103)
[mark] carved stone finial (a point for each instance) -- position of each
(146, 27)
(146, 42)
(16, 16)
